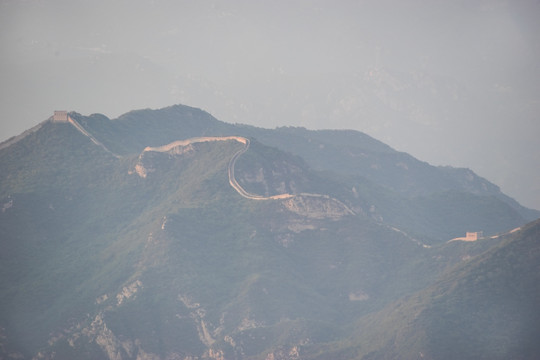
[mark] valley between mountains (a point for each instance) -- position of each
(168, 234)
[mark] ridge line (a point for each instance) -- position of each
(230, 168)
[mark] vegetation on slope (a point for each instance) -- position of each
(485, 308)
(103, 260)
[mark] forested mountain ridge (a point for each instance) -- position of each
(418, 189)
(143, 248)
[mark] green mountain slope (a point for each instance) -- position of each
(189, 246)
(147, 247)
(409, 186)
(485, 308)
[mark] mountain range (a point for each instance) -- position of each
(168, 234)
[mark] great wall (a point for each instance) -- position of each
(294, 199)
(63, 116)
(296, 203)
(230, 168)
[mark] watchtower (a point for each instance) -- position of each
(60, 116)
(472, 236)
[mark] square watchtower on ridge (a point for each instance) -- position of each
(472, 236)
(60, 116)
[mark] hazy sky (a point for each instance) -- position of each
(451, 82)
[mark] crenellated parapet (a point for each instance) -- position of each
(60, 116)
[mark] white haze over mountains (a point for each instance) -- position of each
(450, 82)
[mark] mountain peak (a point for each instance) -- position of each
(170, 234)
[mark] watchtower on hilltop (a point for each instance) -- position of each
(60, 116)
(472, 236)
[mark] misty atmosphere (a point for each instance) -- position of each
(245, 180)
(450, 82)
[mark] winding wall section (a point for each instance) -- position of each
(230, 168)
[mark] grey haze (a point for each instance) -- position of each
(451, 82)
